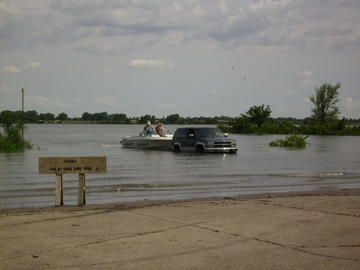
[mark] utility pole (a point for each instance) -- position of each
(22, 117)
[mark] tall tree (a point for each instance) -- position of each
(102, 116)
(147, 117)
(173, 119)
(325, 100)
(258, 114)
(87, 116)
(119, 117)
(47, 116)
(62, 116)
(31, 116)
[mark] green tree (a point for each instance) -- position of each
(172, 119)
(242, 125)
(102, 116)
(47, 116)
(119, 117)
(258, 114)
(8, 117)
(31, 116)
(325, 100)
(147, 117)
(62, 116)
(87, 116)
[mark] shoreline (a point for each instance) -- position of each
(149, 203)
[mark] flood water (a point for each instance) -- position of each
(331, 162)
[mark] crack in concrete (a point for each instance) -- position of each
(57, 218)
(329, 246)
(144, 259)
(255, 239)
(181, 224)
(307, 209)
(101, 241)
(306, 251)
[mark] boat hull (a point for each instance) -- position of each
(151, 142)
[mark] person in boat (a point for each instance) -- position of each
(159, 129)
(148, 129)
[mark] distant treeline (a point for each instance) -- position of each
(308, 126)
(244, 124)
(105, 118)
(257, 120)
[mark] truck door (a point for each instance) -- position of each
(190, 139)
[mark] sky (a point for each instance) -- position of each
(194, 58)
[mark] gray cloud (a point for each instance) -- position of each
(261, 23)
(275, 43)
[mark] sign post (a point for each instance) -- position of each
(22, 117)
(71, 165)
(59, 197)
(81, 197)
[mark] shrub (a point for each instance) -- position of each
(243, 125)
(225, 128)
(292, 140)
(11, 141)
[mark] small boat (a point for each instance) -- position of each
(152, 141)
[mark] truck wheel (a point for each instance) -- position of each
(200, 149)
(176, 148)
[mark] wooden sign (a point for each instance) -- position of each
(78, 165)
(73, 165)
